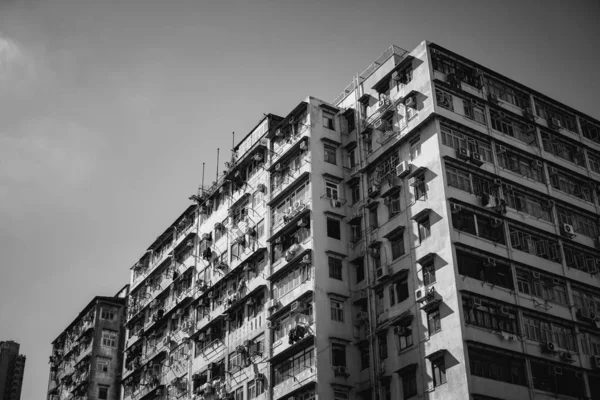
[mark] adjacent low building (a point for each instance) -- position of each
(86, 360)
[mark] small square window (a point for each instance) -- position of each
(335, 268)
(330, 154)
(103, 364)
(429, 274)
(108, 314)
(109, 338)
(103, 392)
(420, 187)
(328, 120)
(415, 147)
(333, 228)
(337, 310)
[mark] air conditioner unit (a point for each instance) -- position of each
(402, 169)
(257, 157)
(496, 223)
(278, 167)
(306, 259)
(340, 370)
(298, 307)
(304, 145)
(555, 123)
(549, 347)
(490, 262)
(455, 208)
(411, 102)
(363, 315)
(508, 188)
(279, 133)
(373, 191)
(536, 275)
(384, 102)
(463, 153)
(504, 310)
(501, 149)
(568, 231)
(476, 159)
(421, 295)
(528, 113)
(488, 201)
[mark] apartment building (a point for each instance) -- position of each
(12, 369)
(86, 360)
(431, 233)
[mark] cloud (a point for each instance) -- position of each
(17, 66)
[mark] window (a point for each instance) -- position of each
(409, 385)
(444, 99)
(338, 355)
(255, 388)
(109, 338)
(335, 268)
(333, 228)
(331, 190)
(556, 378)
(108, 314)
(239, 394)
(350, 115)
(337, 310)
(490, 315)
(103, 392)
(373, 223)
(473, 265)
(405, 338)
(424, 228)
(397, 246)
(328, 120)
(383, 345)
(394, 204)
(360, 271)
(364, 357)
(438, 369)
(294, 365)
(392, 295)
(474, 110)
(429, 273)
(420, 187)
(434, 322)
(103, 364)
(330, 154)
(355, 193)
(496, 366)
(415, 147)
(340, 395)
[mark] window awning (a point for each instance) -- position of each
(407, 369)
(415, 172)
(421, 214)
(426, 259)
(437, 354)
(283, 310)
(394, 232)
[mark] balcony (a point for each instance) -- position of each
(290, 145)
(160, 345)
(282, 345)
(291, 216)
(292, 175)
(298, 380)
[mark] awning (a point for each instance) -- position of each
(407, 370)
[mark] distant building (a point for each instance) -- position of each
(86, 358)
(430, 234)
(12, 368)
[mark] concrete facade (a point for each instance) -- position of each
(432, 233)
(87, 357)
(12, 369)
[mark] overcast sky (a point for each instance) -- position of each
(109, 108)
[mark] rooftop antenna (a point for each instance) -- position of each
(202, 187)
(233, 155)
(217, 164)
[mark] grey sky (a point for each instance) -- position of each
(108, 109)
